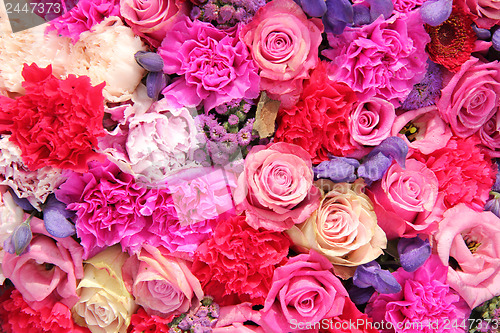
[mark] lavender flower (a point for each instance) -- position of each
(226, 13)
(233, 119)
(427, 91)
(413, 253)
(372, 275)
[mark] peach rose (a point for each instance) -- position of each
(344, 228)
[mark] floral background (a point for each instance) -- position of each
(251, 166)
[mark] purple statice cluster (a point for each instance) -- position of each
(427, 91)
(201, 321)
(486, 317)
(225, 135)
(226, 13)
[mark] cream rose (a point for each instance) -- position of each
(105, 305)
(344, 228)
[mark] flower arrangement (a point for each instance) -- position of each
(251, 166)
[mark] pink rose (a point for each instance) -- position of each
(304, 290)
(422, 129)
(490, 136)
(152, 19)
(404, 199)
(276, 188)
(48, 273)
(161, 285)
(370, 121)
(470, 96)
(487, 12)
(472, 240)
(284, 43)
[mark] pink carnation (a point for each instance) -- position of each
(83, 17)
(383, 59)
(214, 66)
(109, 205)
(425, 301)
(464, 174)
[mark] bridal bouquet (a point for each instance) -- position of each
(250, 166)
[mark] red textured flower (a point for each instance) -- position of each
(319, 121)
(57, 122)
(452, 41)
(464, 173)
(142, 322)
(238, 263)
(16, 316)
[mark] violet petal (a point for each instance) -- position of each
(8, 246)
(413, 253)
(496, 186)
(493, 205)
(371, 274)
(339, 13)
(314, 8)
(360, 295)
(435, 12)
(150, 61)
(495, 40)
(374, 167)
(21, 202)
(393, 147)
(155, 82)
(21, 237)
(483, 34)
(55, 219)
(380, 7)
(338, 169)
(361, 15)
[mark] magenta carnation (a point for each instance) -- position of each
(214, 65)
(383, 59)
(425, 304)
(84, 16)
(109, 205)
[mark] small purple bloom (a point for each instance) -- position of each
(426, 92)
(214, 309)
(435, 12)
(372, 275)
(233, 119)
(150, 61)
(337, 169)
(202, 312)
(413, 253)
(21, 237)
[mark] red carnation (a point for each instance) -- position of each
(57, 122)
(238, 263)
(142, 322)
(319, 121)
(16, 316)
(464, 173)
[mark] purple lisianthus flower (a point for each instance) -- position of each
(214, 66)
(84, 16)
(110, 207)
(383, 59)
(413, 252)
